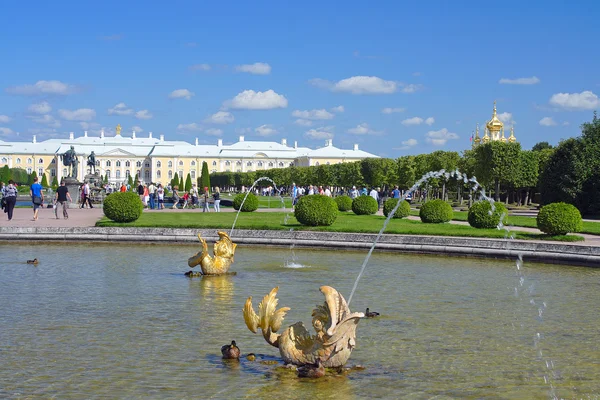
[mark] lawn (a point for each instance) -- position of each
(346, 222)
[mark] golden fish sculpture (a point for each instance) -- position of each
(223, 250)
(334, 324)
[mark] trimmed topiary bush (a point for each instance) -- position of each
(344, 203)
(401, 212)
(316, 210)
(436, 212)
(364, 205)
(480, 215)
(123, 206)
(559, 219)
(251, 203)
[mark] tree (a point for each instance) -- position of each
(44, 181)
(497, 163)
(130, 181)
(188, 182)
(175, 180)
(54, 183)
(379, 172)
(5, 174)
(406, 172)
(527, 177)
(31, 178)
(181, 185)
(205, 177)
(541, 146)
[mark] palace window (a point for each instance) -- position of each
(238, 163)
(228, 163)
(118, 164)
(53, 172)
(138, 164)
(107, 173)
(40, 161)
(53, 161)
(4, 160)
(180, 172)
(193, 174)
(108, 163)
(127, 173)
(118, 174)
(170, 174)
(158, 174)
(29, 170)
(40, 171)
(158, 164)
(146, 175)
(18, 161)
(249, 164)
(260, 163)
(127, 164)
(270, 164)
(327, 162)
(281, 164)
(29, 161)
(65, 172)
(317, 163)
(170, 164)
(180, 163)
(214, 163)
(193, 163)
(147, 165)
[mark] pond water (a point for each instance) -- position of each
(122, 321)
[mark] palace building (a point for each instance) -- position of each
(157, 160)
(494, 131)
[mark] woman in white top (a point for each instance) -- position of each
(160, 192)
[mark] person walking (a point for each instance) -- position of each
(37, 197)
(10, 196)
(206, 196)
(194, 195)
(62, 198)
(140, 191)
(152, 192)
(175, 197)
(217, 197)
(160, 194)
(86, 195)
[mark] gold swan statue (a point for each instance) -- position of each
(334, 324)
(224, 250)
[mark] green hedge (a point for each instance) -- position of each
(251, 203)
(316, 210)
(344, 203)
(436, 211)
(364, 205)
(401, 212)
(559, 219)
(480, 215)
(123, 206)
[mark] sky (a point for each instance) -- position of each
(394, 77)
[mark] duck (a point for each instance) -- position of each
(34, 261)
(251, 357)
(230, 351)
(315, 370)
(371, 314)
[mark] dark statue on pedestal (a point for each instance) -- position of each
(69, 159)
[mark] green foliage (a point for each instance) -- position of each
(481, 216)
(188, 183)
(401, 212)
(379, 172)
(181, 185)
(123, 207)
(527, 174)
(44, 182)
(54, 183)
(105, 178)
(344, 203)
(498, 163)
(130, 181)
(204, 177)
(364, 205)
(31, 177)
(559, 219)
(250, 204)
(406, 172)
(175, 181)
(541, 146)
(316, 210)
(436, 211)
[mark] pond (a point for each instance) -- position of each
(122, 321)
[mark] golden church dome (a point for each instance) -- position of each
(494, 124)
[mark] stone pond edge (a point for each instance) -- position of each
(548, 252)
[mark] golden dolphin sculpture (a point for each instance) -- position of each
(224, 249)
(334, 324)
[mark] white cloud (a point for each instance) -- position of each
(86, 126)
(413, 121)
(181, 94)
(40, 108)
(507, 118)
(251, 100)
(200, 67)
(439, 138)
(4, 119)
(390, 110)
(193, 127)
(313, 114)
(320, 133)
(81, 114)
(547, 121)
(407, 144)
(6, 131)
(46, 119)
(43, 87)
(120, 109)
(303, 122)
(575, 101)
(220, 117)
(430, 121)
(214, 132)
(365, 85)
(137, 129)
(411, 88)
(256, 68)
(265, 130)
(338, 109)
(143, 114)
(520, 81)
(362, 129)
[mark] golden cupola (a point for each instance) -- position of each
(512, 138)
(477, 139)
(495, 127)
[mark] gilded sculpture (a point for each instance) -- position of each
(218, 264)
(334, 324)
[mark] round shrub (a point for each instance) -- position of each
(364, 205)
(401, 212)
(316, 210)
(344, 203)
(250, 204)
(480, 215)
(123, 206)
(436, 211)
(559, 219)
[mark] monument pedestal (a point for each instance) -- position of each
(73, 185)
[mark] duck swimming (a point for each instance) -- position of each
(371, 314)
(34, 261)
(315, 370)
(230, 351)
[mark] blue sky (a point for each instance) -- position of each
(395, 77)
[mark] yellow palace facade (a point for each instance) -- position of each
(157, 160)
